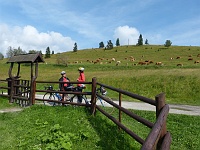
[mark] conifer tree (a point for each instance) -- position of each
(140, 40)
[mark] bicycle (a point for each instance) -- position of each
(73, 97)
(56, 96)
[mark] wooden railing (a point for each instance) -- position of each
(158, 138)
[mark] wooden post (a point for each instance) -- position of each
(120, 104)
(33, 94)
(34, 83)
(12, 90)
(18, 70)
(160, 103)
(32, 86)
(93, 96)
(11, 78)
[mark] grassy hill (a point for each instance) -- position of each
(180, 83)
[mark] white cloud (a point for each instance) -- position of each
(28, 38)
(127, 35)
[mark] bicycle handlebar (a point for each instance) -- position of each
(101, 89)
(48, 87)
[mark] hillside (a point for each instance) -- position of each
(131, 55)
(180, 83)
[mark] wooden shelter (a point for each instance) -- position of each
(32, 59)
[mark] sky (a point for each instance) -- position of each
(59, 24)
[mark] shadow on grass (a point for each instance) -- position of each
(110, 136)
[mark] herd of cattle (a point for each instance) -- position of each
(131, 60)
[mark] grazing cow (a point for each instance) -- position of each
(132, 59)
(117, 63)
(140, 63)
(190, 58)
(143, 63)
(97, 60)
(158, 63)
(150, 61)
(113, 59)
(179, 65)
(196, 62)
(178, 57)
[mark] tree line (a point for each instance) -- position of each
(13, 51)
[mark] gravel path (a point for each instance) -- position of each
(15, 109)
(174, 109)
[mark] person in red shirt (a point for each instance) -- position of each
(64, 86)
(80, 86)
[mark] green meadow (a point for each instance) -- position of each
(43, 127)
(179, 83)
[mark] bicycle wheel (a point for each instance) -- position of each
(84, 98)
(69, 97)
(104, 105)
(75, 98)
(49, 96)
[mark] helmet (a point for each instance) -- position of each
(80, 69)
(63, 72)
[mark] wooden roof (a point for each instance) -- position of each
(26, 58)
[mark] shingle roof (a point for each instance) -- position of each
(26, 58)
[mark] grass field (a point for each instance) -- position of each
(43, 127)
(179, 83)
(37, 126)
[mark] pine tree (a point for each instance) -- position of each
(101, 45)
(75, 49)
(168, 43)
(146, 42)
(109, 45)
(117, 42)
(140, 40)
(48, 52)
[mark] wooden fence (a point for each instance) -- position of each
(159, 138)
